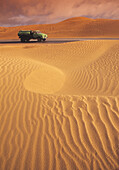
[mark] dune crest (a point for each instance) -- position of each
(73, 27)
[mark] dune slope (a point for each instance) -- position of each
(73, 27)
(59, 106)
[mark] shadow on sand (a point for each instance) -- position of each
(54, 40)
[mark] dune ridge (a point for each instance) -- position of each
(73, 27)
(73, 128)
(93, 71)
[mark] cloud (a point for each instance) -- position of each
(23, 12)
(98, 10)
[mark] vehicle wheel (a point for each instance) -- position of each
(22, 40)
(27, 40)
(44, 40)
(39, 39)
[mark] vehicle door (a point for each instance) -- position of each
(35, 35)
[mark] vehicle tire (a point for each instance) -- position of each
(22, 40)
(39, 39)
(27, 40)
(44, 40)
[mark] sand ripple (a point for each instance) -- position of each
(57, 131)
(60, 133)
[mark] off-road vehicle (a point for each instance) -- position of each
(25, 36)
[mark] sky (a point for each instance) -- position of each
(28, 12)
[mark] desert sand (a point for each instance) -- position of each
(73, 27)
(59, 106)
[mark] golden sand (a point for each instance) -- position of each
(46, 80)
(59, 106)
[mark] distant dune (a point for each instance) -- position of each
(74, 27)
(59, 105)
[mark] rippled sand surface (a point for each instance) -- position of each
(59, 106)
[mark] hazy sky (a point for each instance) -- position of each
(23, 12)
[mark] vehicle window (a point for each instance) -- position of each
(38, 32)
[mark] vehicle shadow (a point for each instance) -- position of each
(49, 41)
(17, 42)
(53, 40)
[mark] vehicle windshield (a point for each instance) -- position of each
(37, 31)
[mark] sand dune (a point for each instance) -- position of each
(73, 27)
(59, 106)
